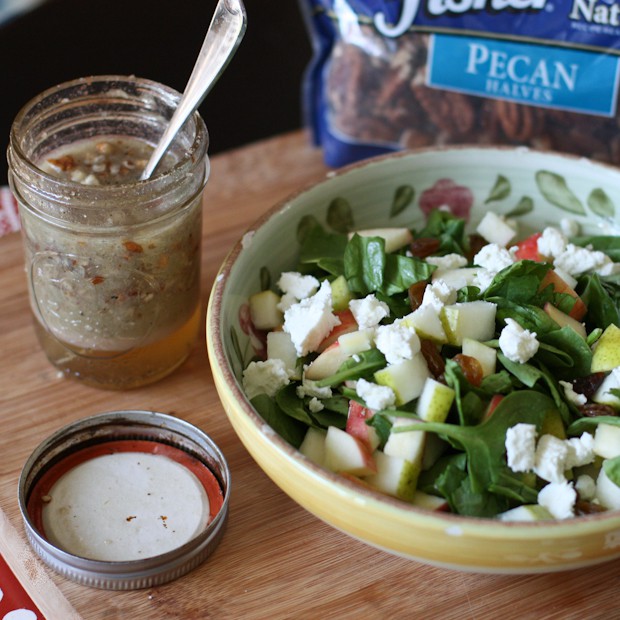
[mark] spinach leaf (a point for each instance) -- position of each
(566, 352)
(337, 403)
(530, 375)
(325, 418)
(289, 429)
(364, 264)
(469, 405)
(612, 468)
(484, 444)
(483, 503)
(401, 272)
(449, 229)
(468, 293)
(293, 406)
(450, 478)
(519, 283)
(332, 266)
(497, 383)
(590, 424)
(602, 298)
(383, 425)
(513, 486)
(296, 408)
(369, 269)
(399, 305)
(528, 316)
(365, 365)
(319, 245)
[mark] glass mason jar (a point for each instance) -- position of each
(113, 265)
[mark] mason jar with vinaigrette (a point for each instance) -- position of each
(113, 262)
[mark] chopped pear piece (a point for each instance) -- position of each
(264, 310)
(487, 356)
(435, 401)
(606, 354)
(472, 319)
(395, 238)
(405, 378)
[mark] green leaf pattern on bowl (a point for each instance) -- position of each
(600, 203)
(340, 215)
(500, 190)
(523, 207)
(265, 278)
(555, 189)
(403, 197)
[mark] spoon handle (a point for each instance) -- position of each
(223, 37)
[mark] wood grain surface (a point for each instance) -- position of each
(275, 560)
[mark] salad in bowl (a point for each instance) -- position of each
(432, 361)
(450, 370)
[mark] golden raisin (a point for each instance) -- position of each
(476, 243)
(589, 384)
(583, 507)
(416, 294)
(424, 246)
(593, 410)
(432, 355)
(471, 368)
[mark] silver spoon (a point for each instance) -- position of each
(223, 37)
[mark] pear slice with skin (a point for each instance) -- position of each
(606, 354)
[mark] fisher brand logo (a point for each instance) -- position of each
(410, 9)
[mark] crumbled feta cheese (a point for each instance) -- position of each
(569, 227)
(494, 258)
(286, 301)
(608, 269)
(310, 321)
(586, 487)
(368, 311)
(559, 499)
(298, 285)
(521, 447)
(483, 279)
(264, 377)
(552, 242)
(580, 451)
(438, 294)
(571, 395)
(315, 405)
(516, 343)
(375, 396)
(310, 388)
(576, 260)
(397, 342)
(449, 261)
(550, 459)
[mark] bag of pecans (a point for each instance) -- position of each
(388, 75)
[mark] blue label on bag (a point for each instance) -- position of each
(540, 75)
(587, 23)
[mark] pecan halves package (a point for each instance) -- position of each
(394, 74)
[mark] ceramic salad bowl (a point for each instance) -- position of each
(536, 189)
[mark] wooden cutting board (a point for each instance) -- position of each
(276, 560)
